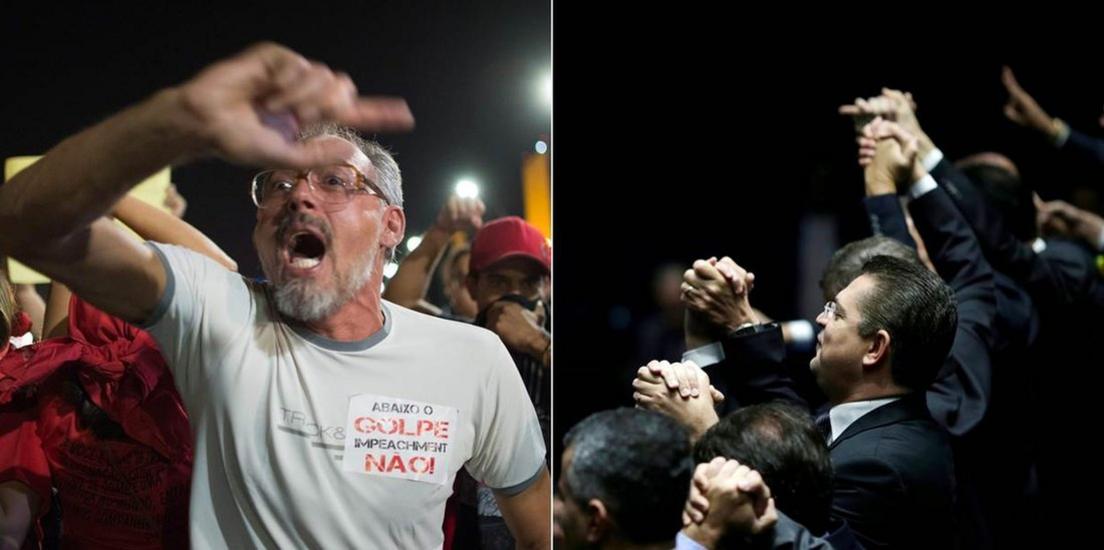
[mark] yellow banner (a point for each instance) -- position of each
(151, 191)
(536, 181)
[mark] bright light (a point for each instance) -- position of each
(541, 147)
(547, 88)
(413, 243)
(390, 269)
(467, 189)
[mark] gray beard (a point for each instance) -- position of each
(298, 299)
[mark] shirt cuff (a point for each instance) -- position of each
(703, 356)
(683, 542)
(920, 188)
(931, 159)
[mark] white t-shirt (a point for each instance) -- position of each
(301, 441)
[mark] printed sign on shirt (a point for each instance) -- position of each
(394, 437)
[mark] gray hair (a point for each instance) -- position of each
(390, 177)
(388, 174)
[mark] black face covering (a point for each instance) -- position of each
(531, 305)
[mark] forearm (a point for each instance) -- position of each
(57, 311)
(753, 369)
(887, 218)
(412, 280)
(154, 224)
(81, 178)
(527, 513)
(952, 246)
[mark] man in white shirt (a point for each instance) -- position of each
(323, 416)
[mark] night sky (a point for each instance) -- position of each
(470, 74)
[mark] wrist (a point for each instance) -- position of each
(704, 535)
(174, 117)
(1050, 127)
(437, 234)
(918, 171)
(924, 145)
(879, 183)
(539, 344)
(1058, 132)
(742, 319)
(701, 423)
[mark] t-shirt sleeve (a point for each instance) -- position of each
(204, 307)
(508, 455)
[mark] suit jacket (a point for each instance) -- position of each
(960, 397)
(1069, 294)
(985, 413)
(895, 478)
(1086, 146)
(1063, 275)
(894, 471)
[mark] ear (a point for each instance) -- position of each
(394, 227)
(878, 350)
(599, 522)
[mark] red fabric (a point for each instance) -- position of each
(129, 492)
(21, 324)
(507, 237)
(22, 458)
(449, 525)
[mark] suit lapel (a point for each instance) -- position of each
(909, 407)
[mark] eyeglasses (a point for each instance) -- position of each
(830, 311)
(334, 185)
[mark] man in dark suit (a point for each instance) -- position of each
(1064, 283)
(999, 207)
(883, 341)
(1023, 110)
(983, 412)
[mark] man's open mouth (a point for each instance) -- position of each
(305, 249)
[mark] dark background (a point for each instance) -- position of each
(723, 142)
(688, 135)
(471, 74)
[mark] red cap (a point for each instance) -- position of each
(508, 237)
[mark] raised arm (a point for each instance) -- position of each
(51, 212)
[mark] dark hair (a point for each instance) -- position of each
(781, 442)
(918, 311)
(1008, 195)
(846, 264)
(637, 462)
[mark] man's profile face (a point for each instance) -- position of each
(837, 364)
